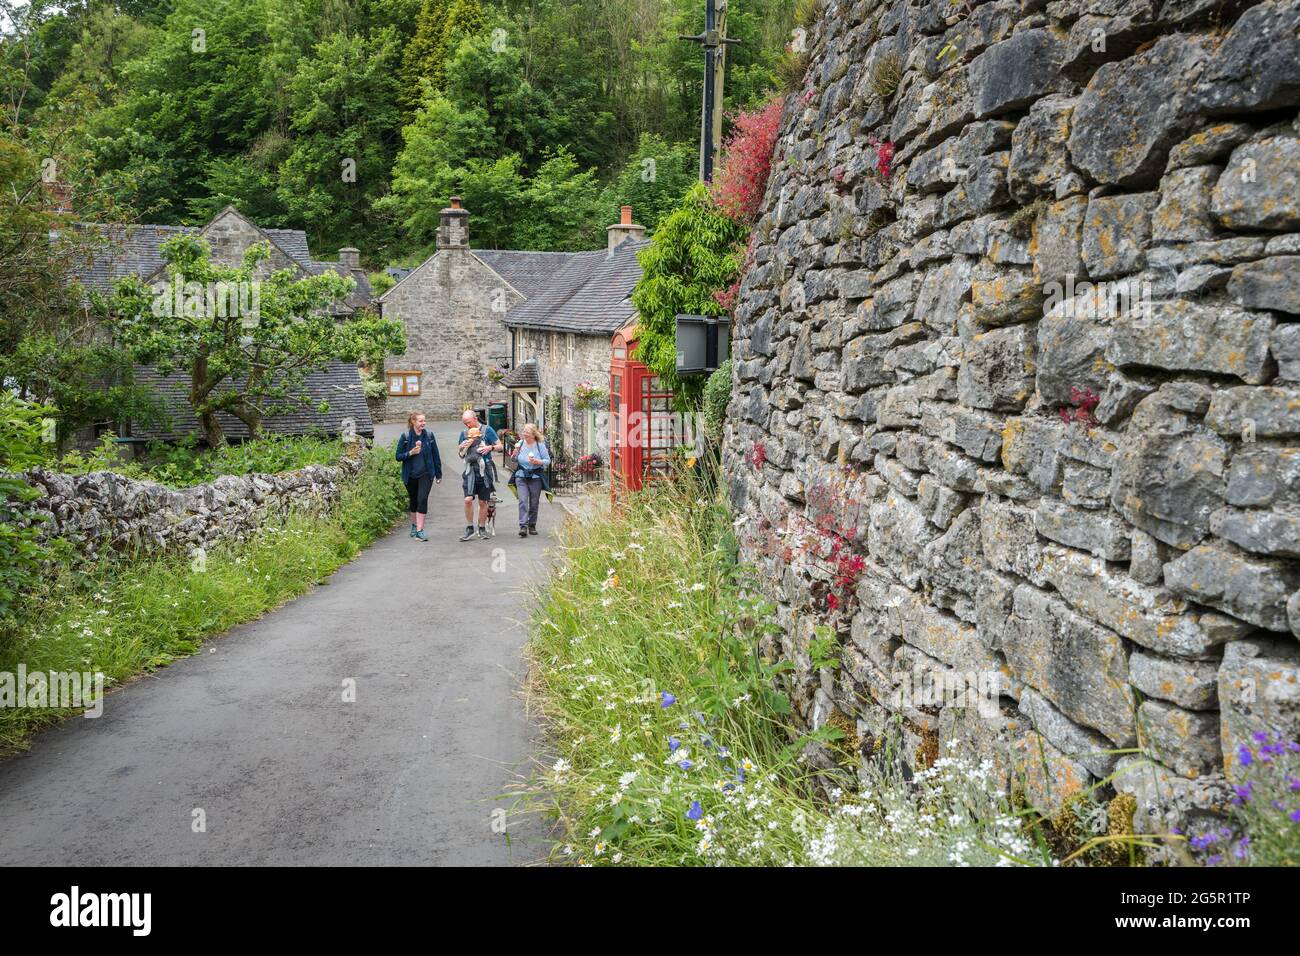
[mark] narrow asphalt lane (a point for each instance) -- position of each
(253, 731)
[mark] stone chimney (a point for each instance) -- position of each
(625, 228)
(60, 197)
(453, 229)
(349, 259)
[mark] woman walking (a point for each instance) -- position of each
(533, 457)
(417, 450)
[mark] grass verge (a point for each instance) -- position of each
(671, 745)
(127, 618)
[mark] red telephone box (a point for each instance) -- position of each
(643, 429)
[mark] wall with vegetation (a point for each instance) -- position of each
(1017, 389)
(105, 511)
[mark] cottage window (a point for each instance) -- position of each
(403, 383)
(569, 343)
(555, 347)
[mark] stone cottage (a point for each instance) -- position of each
(544, 318)
(135, 250)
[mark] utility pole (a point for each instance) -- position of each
(715, 41)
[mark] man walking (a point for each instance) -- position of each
(476, 444)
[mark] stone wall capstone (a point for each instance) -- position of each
(105, 511)
(1017, 387)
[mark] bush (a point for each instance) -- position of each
(697, 251)
(22, 445)
(742, 176)
(183, 463)
(717, 393)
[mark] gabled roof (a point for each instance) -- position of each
(136, 250)
(591, 294)
(529, 272)
(338, 385)
(524, 375)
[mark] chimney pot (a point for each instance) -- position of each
(453, 226)
(349, 258)
(623, 230)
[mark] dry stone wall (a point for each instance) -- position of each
(1017, 387)
(104, 510)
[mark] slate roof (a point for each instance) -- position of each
(591, 293)
(524, 375)
(531, 273)
(339, 385)
(134, 250)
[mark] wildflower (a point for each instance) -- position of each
(616, 798)
(1244, 756)
(599, 848)
(695, 812)
(1294, 816)
(561, 766)
(617, 734)
(666, 700)
(673, 744)
(685, 764)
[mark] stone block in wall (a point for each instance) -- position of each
(1072, 341)
(1259, 693)
(1183, 214)
(1264, 475)
(1260, 187)
(1190, 684)
(1133, 111)
(1084, 486)
(941, 294)
(1009, 539)
(1116, 233)
(897, 537)
(1211, 145)
(1049, 778)
(1272, 533)
(1057, 243)
(1005, 296)
(1030, 448)
(940, 504)
(943, 637)
(1039, 147)
(1010, 75)
(1267, 412)
(1272, 283)
(1151, 616)
(1167, 801)
(997, 369)
(1079, 744)
(1185, 741)
(1188, 336)
(1099, 533)
(1079, 666)
(953, 564)
(1252, 588)
(975, 433)
(1257, 66)
(1169, 477)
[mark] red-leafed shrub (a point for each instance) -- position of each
(741, 178)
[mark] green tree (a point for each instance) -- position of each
(249, 361)
(653, 181)
(423, 66)
(345, 123)
(560, 208)
(696, 253)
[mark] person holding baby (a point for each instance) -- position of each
(476, 444)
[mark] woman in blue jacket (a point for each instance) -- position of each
(417, 450)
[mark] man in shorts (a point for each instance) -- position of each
(476, 444)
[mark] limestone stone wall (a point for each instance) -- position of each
(1017, 387)
(106, 511)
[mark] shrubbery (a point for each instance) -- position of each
(21, 446)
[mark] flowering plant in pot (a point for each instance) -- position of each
(588, 395)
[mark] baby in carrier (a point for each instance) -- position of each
(478, 460)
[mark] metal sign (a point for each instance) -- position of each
(703, 343)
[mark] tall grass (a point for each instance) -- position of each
(670, 743)
(127, 618)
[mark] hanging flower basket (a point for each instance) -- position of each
(588, 395)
